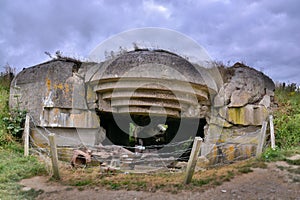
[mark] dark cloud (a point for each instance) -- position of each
(263, 34)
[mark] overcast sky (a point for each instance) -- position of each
(263, 34)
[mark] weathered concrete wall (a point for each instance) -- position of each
(42, 85)
(238, 111)
(55, 95)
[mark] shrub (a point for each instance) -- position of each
(11, 123)
(15, 122)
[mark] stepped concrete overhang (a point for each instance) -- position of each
(155, 82)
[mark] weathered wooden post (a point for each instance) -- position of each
(272, 132)
(54, 157)
(192, 160)
(26, 135)
(262, 138)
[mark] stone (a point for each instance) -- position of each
(213, 134)
(266, 101)
(240, 135)
(240, 116)
(243, 85)
(219, 101)
(247, 115)
(181, 165)
(272, 190)
(222, 112)
(220, 122)
(26, 189)
(229, 151)
(270, 93)
(234, 191)
(245, 151)
(202, 162)
(239, 98)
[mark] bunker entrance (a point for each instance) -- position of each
(169, 135)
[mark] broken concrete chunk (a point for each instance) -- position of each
(220, 122)
(80, 158)
(247, 115)
(239, 98)
(266, 101)
(245, 86)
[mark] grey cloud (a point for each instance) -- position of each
(262, 33)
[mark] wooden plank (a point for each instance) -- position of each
(54, 157)
(192, 160)
(272, 132)
(262, 139)
(26, 136)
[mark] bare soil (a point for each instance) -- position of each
(279, 180)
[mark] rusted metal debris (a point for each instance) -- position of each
(81, 158)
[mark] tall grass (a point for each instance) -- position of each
(13, 166)
(287, 116)
(4, 111)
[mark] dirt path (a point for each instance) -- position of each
(278, 181)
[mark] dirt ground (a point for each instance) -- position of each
(278, 181)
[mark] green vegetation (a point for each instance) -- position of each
(82, 183)
(14, 122)
(4, 136)
(13, 165)
(245, 170)
(287, 116)
(11, 122)
(286, 122)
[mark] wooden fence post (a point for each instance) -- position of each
(54, 157)
(192, 160)
(26, 135)
(262, 138)
(272, 132)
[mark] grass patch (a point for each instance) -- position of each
(201, 182)
(31, 194)
(259, 164)
(13, 168)
(278, 154)
(255, 163)
(166, 182)
(245, 170)
(82, 183)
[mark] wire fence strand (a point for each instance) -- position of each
(148, 156)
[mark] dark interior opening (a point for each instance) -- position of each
(178, 130)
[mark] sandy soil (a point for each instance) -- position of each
(275, 182)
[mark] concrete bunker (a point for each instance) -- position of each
(148, 98)
(161, 98)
